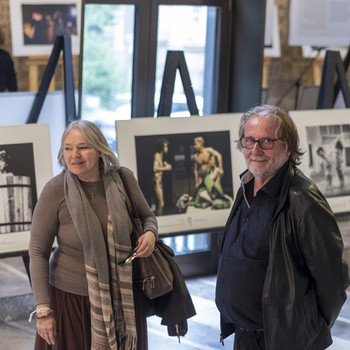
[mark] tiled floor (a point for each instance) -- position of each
(203, 333)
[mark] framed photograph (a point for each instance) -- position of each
(325, 139)
(272, 47)
(25, 167)
(187, 168)
(36, 23)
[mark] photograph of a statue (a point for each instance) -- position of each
(184, 173)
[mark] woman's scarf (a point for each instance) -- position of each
(109, 284)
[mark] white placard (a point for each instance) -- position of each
(322, 23)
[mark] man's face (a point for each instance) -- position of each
(264, 164)
(165, 148)
(197, 145)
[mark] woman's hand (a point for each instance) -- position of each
(145, 245)
(46, 326)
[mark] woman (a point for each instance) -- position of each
(83, 294)
(210, 188)
(210, 191)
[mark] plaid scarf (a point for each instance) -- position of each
(110, 289)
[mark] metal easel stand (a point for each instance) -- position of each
(175, 60)
(62, 43)
(328, 90)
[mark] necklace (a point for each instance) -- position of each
(91, 194)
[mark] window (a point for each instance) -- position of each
(107, 65)
(124, 51)
(190, 29)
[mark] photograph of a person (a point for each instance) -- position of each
(43, 22)
(184, 173)
(17, 187)
(329, 158)
(159, 166)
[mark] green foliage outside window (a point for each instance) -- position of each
(103, 73)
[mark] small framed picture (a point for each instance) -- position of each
(36, 23)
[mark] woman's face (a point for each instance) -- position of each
(212, 162)
(2, 164)
(80, 157)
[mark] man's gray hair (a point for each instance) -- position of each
(286, 129)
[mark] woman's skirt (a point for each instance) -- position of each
(72, 314)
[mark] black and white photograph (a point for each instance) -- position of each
(187, 168)
(329, 158)
(25, 168)
(325, 141)
(17, 187)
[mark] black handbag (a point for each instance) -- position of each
(153, 274)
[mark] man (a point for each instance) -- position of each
(201, 160)
(8, 80)
(326, 167)
(281, 279)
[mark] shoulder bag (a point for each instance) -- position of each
(153, 274)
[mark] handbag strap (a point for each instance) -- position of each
(131, 204)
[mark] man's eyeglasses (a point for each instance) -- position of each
(264, 143)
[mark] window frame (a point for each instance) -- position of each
(145, 49)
